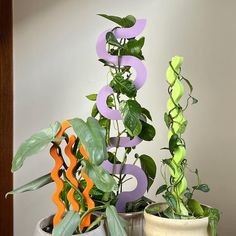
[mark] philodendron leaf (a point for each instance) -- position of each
(111, 39)
(92, 137)
(146, 113)
(149, 167)
(68, 224)
(101, 178)
(36, 143)
(171, 200)
(148, 131)
(124, 86)
(131, 111)
(34, 185)
(134, 48)
(214, 218)
(116, 224)
(202, 187)
(195, 207)
(161, 189)
(126, 22)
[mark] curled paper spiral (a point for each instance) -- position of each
(71, 177)
(113, 114)
(177, 90)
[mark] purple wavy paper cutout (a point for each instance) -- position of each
(113, 114)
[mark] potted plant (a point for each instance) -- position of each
(84, 150)
(120, 50)
(180, 214)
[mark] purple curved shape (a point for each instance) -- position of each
(124, 142)
(102, 104)
(130, 196)
(141, 72)
(113, 114)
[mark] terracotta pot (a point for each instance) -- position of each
(99, 231)
(159, 226)
(135, 223)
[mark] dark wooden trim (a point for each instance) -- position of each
(6, 116)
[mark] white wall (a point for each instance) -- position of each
(56, 66)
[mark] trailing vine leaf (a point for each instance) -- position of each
(182, 127)
(123, 86)
(170, 199)
(95, 111)
(195, 207)
(68, 224)
(214, 218)
(106, 123)
(169, 162)
(149, 167)
(161, 189)
(34, 184)
(36, 143)
(111, 39)
(92, 97)
(146, 113)
(148, 131)
(113, 159)
(134, 48)
(125, 22)
(202, 187)
(173, 143)
(101, 178)
(116, 224)
(167, 119)
(131, 111)
(92, 136)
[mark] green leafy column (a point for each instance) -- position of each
(176, 124)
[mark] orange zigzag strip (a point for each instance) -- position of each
(90, 203)
(70, 175)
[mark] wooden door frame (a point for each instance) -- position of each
(6, 116)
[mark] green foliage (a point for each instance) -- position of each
(116, 224)
(170, 199)
(148, 132)
(111, 39)
(125, 22)
(146, 113)
(202, 187)
(68, 224)
(213, 215)
(123, 86)
(92, 137)
(149, 167)
(101, 178)
(161, 189)
(36, 143)
(34, 184)
(131, 111)
(195, 207)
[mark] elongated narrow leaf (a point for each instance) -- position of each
(146, 113)
(116, 224)
(131, 111)
(202, 187)
(149, 167)
(34, 185)
(126, 22)
(171, 200)
(68, 224)
(36, 143)
(92, 137)
(101, 178)
(161, 189)
(92, 97)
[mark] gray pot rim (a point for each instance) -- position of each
(174, 220)
(39, 226)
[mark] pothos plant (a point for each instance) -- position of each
(179, 197)
(135, 120)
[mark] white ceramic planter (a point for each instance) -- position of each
(99, 231)
(159, 226)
